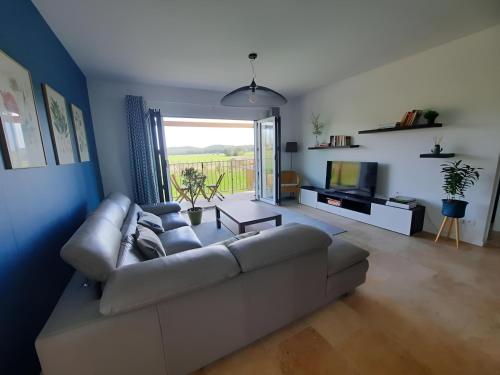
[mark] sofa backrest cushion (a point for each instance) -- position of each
(112, 212)
(120, 199)
(93, 248)
(278, 244)
(129, 226)
(141, 284)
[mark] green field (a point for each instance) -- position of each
(195, 158)
(238, 170)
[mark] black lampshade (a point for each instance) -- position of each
(291, 147)
(253, 95)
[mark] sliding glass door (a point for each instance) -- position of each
(267, 152)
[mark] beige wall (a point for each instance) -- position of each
(460, 79)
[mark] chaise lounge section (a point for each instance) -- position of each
(123, 314)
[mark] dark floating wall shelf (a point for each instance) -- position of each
(400, 128)
(331, 147)
(437, 156)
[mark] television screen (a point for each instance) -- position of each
(351, 176)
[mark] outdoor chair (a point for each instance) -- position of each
(182, 190)
(214, 189)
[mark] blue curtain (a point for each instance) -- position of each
(141, 147)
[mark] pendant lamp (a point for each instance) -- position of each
(253, 95)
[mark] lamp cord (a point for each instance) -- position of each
(253, 69)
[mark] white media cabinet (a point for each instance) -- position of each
(365, 209)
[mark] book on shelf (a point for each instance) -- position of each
(406, 206)
(340, 141)
(410, 118)
(402, 199)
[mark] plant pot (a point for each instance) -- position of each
(454, 208)
(437, 149)
(195, 215)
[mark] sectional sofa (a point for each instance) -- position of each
(122, 314)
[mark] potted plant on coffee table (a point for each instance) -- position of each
(458, 177)
(194, 182)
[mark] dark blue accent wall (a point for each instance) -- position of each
(39, 207)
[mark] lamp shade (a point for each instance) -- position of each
(253, 96)
(291, 147)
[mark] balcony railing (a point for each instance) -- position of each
(239, 174)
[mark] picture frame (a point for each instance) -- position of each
(80, 134)
(20, 136)
(59, 124)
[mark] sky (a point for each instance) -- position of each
(205, 136)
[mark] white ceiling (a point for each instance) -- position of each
(301, 44)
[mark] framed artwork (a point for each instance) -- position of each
(20, 136)
(57, 114)
(81, 134)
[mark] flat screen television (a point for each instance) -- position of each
(352, 177)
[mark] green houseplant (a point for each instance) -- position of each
(317, 127)
(430, 115)
(458, 177)
(194, 182)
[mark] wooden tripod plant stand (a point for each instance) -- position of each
(457, 229)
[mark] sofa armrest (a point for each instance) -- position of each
(141, 284)
(277, 245)
(162, 208)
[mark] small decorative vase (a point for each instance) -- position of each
(317, 142)
(437, 149)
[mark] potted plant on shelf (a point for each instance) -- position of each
(317, 127)
(194, 182)
(458, 177)
(431, 116)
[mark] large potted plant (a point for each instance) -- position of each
(193, 182)
(458, 177)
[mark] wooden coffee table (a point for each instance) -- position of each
(245, 213)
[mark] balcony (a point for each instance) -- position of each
(238, 182)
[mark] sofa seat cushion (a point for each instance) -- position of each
(179, 239)
(173, 220)
(342, 255)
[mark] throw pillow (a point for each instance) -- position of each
(148, 243)
(151, 221)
